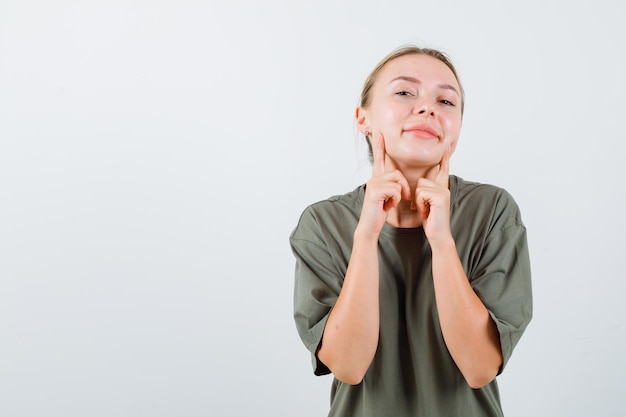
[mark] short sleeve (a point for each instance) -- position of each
(317, 285)
(502, 278)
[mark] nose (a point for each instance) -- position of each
(425, 108)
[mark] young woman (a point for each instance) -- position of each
(414, 288)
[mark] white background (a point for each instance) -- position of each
(155, 156)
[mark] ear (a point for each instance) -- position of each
(362, 120)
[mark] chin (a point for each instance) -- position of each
(424, 156)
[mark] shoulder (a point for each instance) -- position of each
(472, 189)
(338, 211)
(484, 200)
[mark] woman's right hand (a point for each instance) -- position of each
(351, 334)
(384, 191)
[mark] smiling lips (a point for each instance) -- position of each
(422, 131)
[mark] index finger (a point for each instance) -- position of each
(444, 168)
(378, 151)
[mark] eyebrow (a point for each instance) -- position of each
(416, 81)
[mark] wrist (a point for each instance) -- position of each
(363, 236)
(443, 244)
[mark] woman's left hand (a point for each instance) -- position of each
(432, 200)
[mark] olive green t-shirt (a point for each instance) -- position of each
(412, 373)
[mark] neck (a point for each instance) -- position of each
(404, 216)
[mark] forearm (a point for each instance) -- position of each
(468, 330)
(351, 334)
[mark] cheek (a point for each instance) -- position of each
(382, 120)
(391, 119)
(389, 114)
(452, 127)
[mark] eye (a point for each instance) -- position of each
(404, 93)
(446, 102)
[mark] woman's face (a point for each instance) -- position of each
(416, 105)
